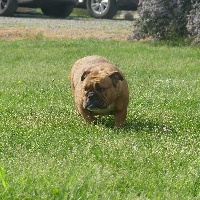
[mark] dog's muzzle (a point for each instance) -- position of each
(93, 102)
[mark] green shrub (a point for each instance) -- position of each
(162, 19)
(193, 25)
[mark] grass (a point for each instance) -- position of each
(48, 152)
(80, 12)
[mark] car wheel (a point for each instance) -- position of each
(59, 11)
(8, 7)
(102, 8)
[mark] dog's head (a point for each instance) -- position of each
(100, 89)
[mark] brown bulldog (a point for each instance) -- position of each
(99, 88)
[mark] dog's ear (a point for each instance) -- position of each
(116, 77)
(85, 73)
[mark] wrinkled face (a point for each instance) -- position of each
(98, 92)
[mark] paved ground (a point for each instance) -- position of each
(36, 25)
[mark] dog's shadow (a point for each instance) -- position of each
(137, 125)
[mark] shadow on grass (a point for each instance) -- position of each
(146, 125)
(180, 42)
(138, 125)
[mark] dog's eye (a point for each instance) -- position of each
(86, 88)
(99, 88)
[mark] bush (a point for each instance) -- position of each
(193, 25)
(162, 19)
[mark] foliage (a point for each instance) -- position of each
(193, 25)
(162, 19)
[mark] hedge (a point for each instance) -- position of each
(167, 19)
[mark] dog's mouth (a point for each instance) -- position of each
(93, 102)
(100, 111)
(91, 107)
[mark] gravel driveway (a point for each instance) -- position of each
(37, 25)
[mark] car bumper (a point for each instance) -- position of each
(38, 3)
(132, 3)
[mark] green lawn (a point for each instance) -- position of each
(48, 152)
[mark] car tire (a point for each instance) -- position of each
(58, 11)
(104, 9)
(8, 7)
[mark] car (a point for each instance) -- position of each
(52, 8)
(107, 9)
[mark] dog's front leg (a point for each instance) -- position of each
(87, 115)
(120, 117)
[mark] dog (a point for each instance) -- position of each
(99, 88)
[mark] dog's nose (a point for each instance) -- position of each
(91, 96)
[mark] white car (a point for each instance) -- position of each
(107, 8)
